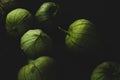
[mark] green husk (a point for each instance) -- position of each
(47, 12)
(81, 36)
(106, 70)
(42, 68)
(35, 43)
(18, 21)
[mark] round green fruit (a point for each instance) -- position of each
(47, 12)
(106, 71)
(81, 36)
(35, 43)
(29, 72)
(42, 68)
(18, 21)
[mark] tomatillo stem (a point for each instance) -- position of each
(63, 30)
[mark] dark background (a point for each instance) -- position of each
(70, 66)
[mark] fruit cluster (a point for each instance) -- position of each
(37, 36)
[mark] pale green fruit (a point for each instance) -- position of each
(29, 72)
(106, 70)
(47, 12)
(81, 36)
(35, 43)
(18, 21)
(43, 68)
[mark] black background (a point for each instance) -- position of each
(70, 66)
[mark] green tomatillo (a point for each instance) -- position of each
(107, 70)
(42, 68)
(47, 13)
(81, 36)
(35, 43)
(18, 21)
